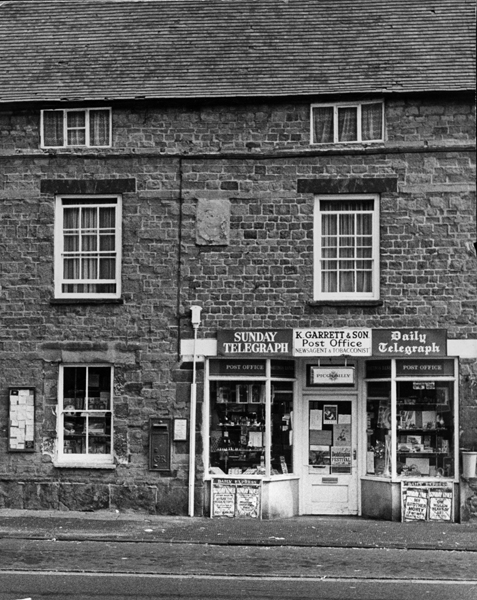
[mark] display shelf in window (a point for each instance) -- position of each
(237, 428)
(424, 429)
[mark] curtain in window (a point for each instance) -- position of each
(346, 252)
(347, 124)
(346, 246)
(76, 128)
(329, 252)
(323, 125)
(53, 128)
(99, 127)
(372, 121)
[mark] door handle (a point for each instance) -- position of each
(354, 454)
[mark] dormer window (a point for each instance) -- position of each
(361, 122)
(90, 127)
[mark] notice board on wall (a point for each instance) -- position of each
(236, 498)
(21, 422)
(427, 501)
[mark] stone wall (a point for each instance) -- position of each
(255, 270)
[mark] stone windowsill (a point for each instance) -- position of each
(83, 465)
(77, 301)
(357, 303)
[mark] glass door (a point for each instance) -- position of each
(330, 478)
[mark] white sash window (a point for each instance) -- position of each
(87, 247)
(346, 248)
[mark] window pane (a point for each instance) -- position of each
(346, 205)
(71, 218)
(347, 281)
(99, 127)
(378, 426)
(323, 125)
(88, 243)
(372, 121)
(76, 119)
(347, 124)
(107, 268)
(89, 218)
(53, 128)
(107, 217)
(282, 412)
(71, 243)
(364, 281)
(329, 225)
(89, 268)
(364, 224)
(71, 268)
(329, 281)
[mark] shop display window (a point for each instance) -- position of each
(425, 428)
(420, 440)
(86, 412)
(243, 439)
(378, 428)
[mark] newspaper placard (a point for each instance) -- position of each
(236, 498)
(427, 501)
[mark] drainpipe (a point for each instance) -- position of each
(195, 321)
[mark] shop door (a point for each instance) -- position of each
(330, 475)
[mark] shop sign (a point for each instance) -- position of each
(255, 342)
(238, 367)
(332, 375)
(409, 342)
(424, 368)
(332, 342)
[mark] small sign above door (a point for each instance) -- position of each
(332, 376)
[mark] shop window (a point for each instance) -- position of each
(425, 428)
(346, 247)
(243, 439)
(360, 122)
(87, 247)
(85, 415)
(378, 427)
(420, 440)
(89, 127)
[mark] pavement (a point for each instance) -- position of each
(302, 531)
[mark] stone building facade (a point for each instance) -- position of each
(217, 203)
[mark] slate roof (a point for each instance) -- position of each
(119, 49)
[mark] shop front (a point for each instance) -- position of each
(331, 422)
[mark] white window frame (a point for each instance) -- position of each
(65, 112)
(336, 106)
(317, 255)
(83, 460)
(59, 247)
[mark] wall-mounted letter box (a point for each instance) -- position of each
(159, 444)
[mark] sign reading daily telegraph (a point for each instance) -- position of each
(410, 342)
(332, 342)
